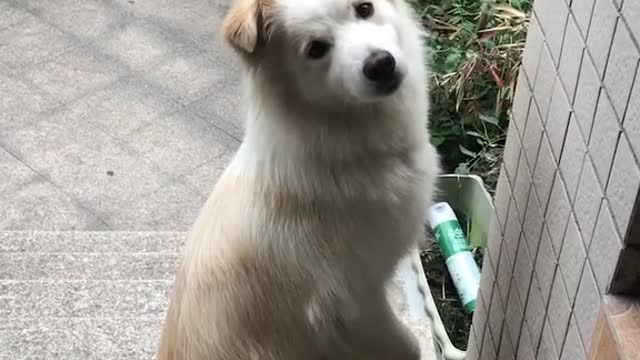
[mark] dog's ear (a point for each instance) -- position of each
(244, 25)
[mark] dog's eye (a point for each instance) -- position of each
(317, 49)
(364, 10)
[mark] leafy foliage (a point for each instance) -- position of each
(475, 49)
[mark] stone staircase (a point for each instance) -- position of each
(102, 295)
(84, 295)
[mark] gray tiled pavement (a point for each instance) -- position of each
(114, 114)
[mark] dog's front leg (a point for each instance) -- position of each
(329, 313)
(378, 334)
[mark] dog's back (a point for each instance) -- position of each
(230, 301)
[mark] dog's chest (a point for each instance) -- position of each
(385, 215)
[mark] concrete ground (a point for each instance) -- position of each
(114, 114)
(118, 116)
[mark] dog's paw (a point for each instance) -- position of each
(399, 344)
(406, 346)
(413, 351)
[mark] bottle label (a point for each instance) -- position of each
(451, 238)
(466, 277)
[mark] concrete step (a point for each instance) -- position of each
(103, 295)
(84, 295)
(88, 266)
(91, 242)
(80, 299)
(80, 338)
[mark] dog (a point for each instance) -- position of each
(290, 255)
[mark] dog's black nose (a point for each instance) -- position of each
(380, 66)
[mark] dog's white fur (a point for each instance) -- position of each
(289, 257)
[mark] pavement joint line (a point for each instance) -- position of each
(44, 177)
(91, 43)
(141, 317)
(209, 120)
(95, 253)
(86, 281)
(128, 71)
(20, 68)
(156, 167)
(161, 24)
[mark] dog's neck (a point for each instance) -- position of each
(317, 154)
(277, 124)
(295, 146)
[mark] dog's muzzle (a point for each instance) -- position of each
(380, 68)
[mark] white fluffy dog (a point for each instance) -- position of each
(289, 257)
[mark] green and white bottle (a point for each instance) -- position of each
(457, 253)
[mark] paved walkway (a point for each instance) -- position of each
(114, 114)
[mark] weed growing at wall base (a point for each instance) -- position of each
(475, 53)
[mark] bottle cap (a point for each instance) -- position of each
(439, 213)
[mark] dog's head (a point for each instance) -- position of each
(327, 51)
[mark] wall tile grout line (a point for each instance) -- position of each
(636, 41)
(589, 134)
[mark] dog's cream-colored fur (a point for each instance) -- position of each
(289, 257)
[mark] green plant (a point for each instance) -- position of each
(475, 49)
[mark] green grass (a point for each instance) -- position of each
(475, 50)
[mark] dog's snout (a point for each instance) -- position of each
(380, 66)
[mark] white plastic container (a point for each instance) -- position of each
(467, 194)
